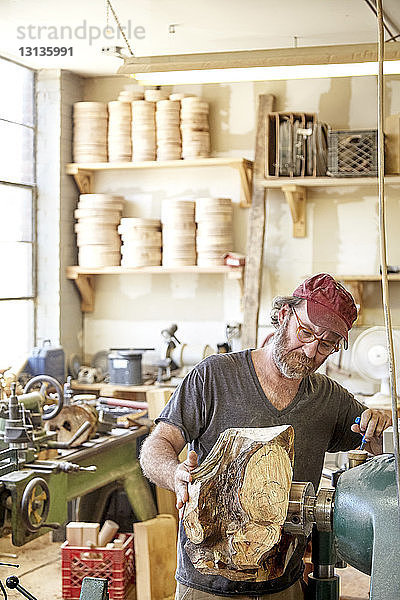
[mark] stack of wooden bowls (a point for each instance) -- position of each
(179, 233)
(155, 95)
(141, 242)
(143, 131)
(178, 96)
(98, 241)
(129, 95)
(90, 132)
(214, 236)
(195, 129)
(168, 130)
(119, 131)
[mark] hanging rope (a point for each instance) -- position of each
(382, 239)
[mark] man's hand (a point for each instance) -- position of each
(372, 424)
(183, 477)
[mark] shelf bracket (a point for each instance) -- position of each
(85, 285)
(296, 197)
(246, 176)
(83, 178)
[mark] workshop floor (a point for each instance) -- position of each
(40, 571)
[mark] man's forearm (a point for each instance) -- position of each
(158, 460)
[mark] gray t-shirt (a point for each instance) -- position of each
(224, 391)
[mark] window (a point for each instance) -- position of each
(17, 202)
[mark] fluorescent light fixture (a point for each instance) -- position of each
(265, 73)
(263, 65)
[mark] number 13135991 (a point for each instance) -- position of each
(46, 51)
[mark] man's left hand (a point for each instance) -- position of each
(372, 424)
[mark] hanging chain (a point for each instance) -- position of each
(110, 7)
(107, 18)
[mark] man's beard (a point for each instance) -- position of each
(292, 364)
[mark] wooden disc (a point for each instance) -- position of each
(142, 237)
(99, 259)
(155, 95)
(180, 97)
(131, 222)
(178, 262)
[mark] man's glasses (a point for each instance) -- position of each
(306, 336)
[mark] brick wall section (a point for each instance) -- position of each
(58, 305)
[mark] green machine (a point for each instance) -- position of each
(357, 523)
(34, 492)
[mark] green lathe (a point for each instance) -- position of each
(34, 492)
(358, 523)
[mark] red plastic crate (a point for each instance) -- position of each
(115, 564)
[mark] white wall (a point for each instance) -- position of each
(342, 223)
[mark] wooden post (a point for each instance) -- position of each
(256, 230)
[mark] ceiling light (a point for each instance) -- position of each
(263, 65)
(265, 73)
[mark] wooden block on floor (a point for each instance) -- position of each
(155, 558)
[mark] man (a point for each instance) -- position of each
(273, 385)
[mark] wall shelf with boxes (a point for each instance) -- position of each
(85, 278)
(84, 173)
(283, 162)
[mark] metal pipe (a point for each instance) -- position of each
(324, 571)
(382, 239)
(135, 404)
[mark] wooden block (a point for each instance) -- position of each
(155, 558)
(74, 533)
(90, 534)
(108, 532)
(157, 399)
(392, 144)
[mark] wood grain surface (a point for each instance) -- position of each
(238, 502)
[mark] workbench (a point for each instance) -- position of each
(126, 392)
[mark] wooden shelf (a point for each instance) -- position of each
(83, 173)
(295, 191)
(366, 278)
(321, 182)
(84, 277)
(355, 285)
